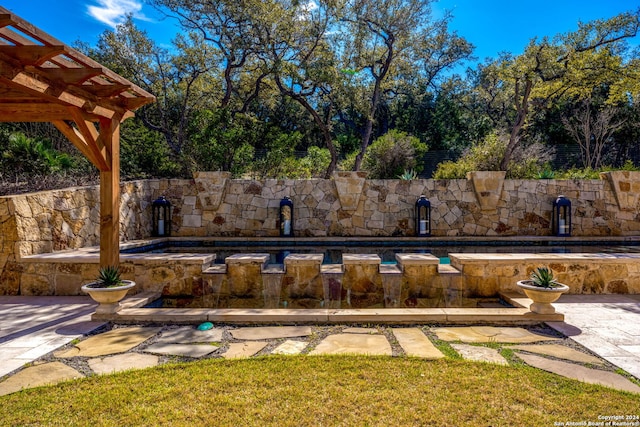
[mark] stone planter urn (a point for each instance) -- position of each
(108, 298)
(542, 297)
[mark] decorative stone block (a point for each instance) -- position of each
(211, 188)
(626, 187)
(349, 186)
(487, 186)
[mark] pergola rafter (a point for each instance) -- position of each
(44, 80)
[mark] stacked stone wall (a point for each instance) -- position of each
(380, 208)
(212, 204)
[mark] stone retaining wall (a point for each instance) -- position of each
(486, 274)
(212, 204)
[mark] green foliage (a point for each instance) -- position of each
(546, 173)
(280, 161)
(408, 175)
(452, 170)
(542, 277)
(392, 154)
(487, 156)
(222, 141)
(629, 166)
(349, 161)
(316, 161)
(109, 277)
(576, 173)
(31, 156)
(527, 168)
(144, 153)
(483, 156)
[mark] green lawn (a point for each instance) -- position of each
(314, 391)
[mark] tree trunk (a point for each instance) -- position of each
(522, 108)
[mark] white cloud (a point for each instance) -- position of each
(113, 12)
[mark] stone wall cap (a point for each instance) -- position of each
(417, 259)
(304, 259)
(361, 259)
(247, 259)
(542, 257)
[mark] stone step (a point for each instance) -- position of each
(448, 269)
(216, 269)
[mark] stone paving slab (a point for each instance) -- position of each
(486, 334)
(591, 340)
(122, 362)
(365, 344)
(270, 332)
(188, 335)
(187, 350)
(629, 364)
(8, 366)
(633, 349)
(115, 341)
(39, 375)
(240, 350)
(559, 351)
(29, 314)
(580, 373)
(480, 354)
(614, 336)
(360, 331)
(416, 344)
(290, 347)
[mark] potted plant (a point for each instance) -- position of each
(108, 289)
(543, 289)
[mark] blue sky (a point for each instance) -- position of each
(492, 26)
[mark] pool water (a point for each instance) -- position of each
(387, 250)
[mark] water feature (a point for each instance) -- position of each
(333, 274)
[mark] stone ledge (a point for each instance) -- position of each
(484, 316)
(247, 259)
(360, 259)
(304, 259)
(543, 257)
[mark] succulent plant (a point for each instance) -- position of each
(409, 175)
(542, 277)
(109, 277)
(546, 174)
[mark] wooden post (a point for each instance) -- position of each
(110, 194)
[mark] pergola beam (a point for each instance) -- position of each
(42, 79)
(87, 147)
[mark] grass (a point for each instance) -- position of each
(317, 391)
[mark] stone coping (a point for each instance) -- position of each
(84, 256)
(351, 240)
(305, 259)
(92, 254)
(466, 316)
(417, 259)
(389, 269)
(331, 269)
(361, 259)
(483, 258)
(132, 312)
(247, 259)
(273, 269)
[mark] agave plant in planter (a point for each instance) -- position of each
(108, 290)
(543, 289)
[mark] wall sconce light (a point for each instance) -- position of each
(286, 217)
(423, 217)
(161, 217)
(561, 217)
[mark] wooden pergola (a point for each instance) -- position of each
(44, 80)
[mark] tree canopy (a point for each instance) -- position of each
(300, 88)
